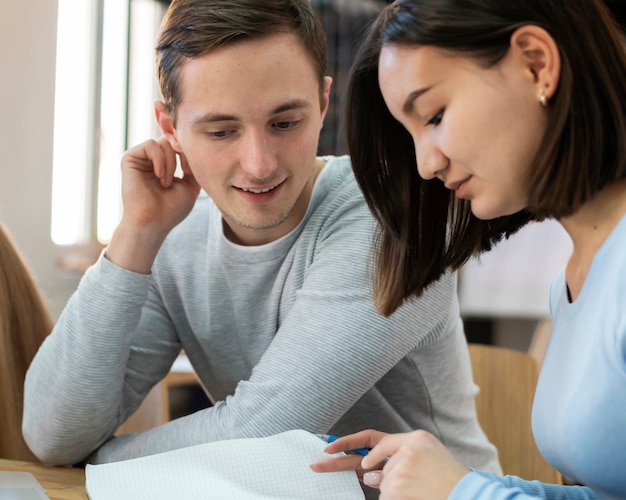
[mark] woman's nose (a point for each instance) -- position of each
(430, 160)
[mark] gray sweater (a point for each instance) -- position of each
(282, 336)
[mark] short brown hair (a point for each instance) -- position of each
(192, 28)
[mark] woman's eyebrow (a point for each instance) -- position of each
(411, 98)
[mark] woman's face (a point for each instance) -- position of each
(477, 130)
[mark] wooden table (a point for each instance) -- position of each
(60, 483)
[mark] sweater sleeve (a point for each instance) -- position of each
(84, 381)
(479, 485)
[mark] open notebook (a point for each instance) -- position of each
(275, 467)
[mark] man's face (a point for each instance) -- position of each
(248, 124)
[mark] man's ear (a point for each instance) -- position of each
(328, 81)
(537, 51)
(166, 124)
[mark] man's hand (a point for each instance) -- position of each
(154, 202)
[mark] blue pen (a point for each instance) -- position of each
(330, 438)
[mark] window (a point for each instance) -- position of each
(73, 120)
(100, 108)
(105, 90)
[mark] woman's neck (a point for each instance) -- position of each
(591, 224)
(589, 227)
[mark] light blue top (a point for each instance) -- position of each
(579, 412)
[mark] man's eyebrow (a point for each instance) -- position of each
(289, 105)
(223, 117)
(213, 117)
(408, 103)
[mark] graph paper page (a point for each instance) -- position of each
(275, 467)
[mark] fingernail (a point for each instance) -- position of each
(372, 478)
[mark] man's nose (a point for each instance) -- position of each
(259, 158)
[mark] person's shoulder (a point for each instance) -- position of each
(337, 206)
(610, 259)
(199, 215)
(336, 183)
(338, 168)
(187, 240)
(196, 224)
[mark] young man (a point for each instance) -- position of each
(262, 279)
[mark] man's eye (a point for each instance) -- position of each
(436, 119)
(285, 125)
(219, 134)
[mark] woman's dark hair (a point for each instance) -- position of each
(424, 230)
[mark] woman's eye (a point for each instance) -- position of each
(436, 119)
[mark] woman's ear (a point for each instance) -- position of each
(166, 124)
(537, 51)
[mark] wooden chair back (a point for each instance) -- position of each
(24, 324)
(152, 412)
(155, 408)
(507, 380)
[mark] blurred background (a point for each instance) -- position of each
(77, 89)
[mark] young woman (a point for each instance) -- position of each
(24, 323)
(467, 119)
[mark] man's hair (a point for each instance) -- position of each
(192, 28)
(425, 230)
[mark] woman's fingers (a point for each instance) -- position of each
(386, 447)
(373, 478)
(364, 439)
(338, 464)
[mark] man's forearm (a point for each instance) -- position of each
(74, 385)
(134, 248)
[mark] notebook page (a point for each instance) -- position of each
(275, 467)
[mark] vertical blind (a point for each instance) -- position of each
(345, 22)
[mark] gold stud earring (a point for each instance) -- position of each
(542, 98)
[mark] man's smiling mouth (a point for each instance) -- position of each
(260, 190)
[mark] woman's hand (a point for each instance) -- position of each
(416, 464)
(363, 439)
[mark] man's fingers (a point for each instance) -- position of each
(153, 156)
(184, 164)
(166, 158)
